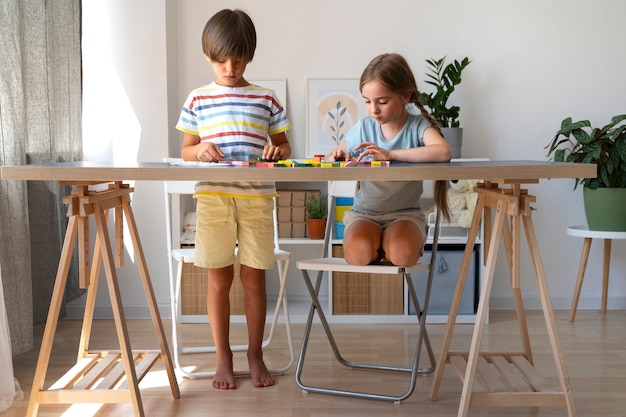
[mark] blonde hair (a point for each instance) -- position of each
(394, 72)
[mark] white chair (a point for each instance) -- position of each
(333, 264)
(186, 255)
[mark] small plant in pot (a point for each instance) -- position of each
(444, 78)
(316, 213)
(606, 147)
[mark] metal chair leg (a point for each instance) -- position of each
(414, 370)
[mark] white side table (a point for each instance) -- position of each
(583, 231)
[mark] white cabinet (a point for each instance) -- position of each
(451, 244)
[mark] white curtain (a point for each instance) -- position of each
(40, 121)
(9, 387)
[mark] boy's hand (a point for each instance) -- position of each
(272, 153)
(209, 152)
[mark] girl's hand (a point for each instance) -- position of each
(372, 151)
(272, 153)
(209, 152)
(339, 155)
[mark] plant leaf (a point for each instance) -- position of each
(444, 78)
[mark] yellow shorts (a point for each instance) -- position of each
(225, 223)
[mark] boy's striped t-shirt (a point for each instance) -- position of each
(239, 120)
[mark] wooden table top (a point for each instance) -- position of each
(496, 171)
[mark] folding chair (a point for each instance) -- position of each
(333, 264)
(182, 256)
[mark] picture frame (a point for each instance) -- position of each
(333, 107)
(278, 85)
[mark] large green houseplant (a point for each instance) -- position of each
(606, 147)
(445, 78)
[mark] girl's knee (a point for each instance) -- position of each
(403, 259)
(406, 254)
(360, 255)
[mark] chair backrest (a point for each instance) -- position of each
(342, 188)
(335, 189)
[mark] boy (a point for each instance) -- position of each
(230, 119)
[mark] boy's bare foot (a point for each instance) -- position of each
(261, 377)
(224, 377)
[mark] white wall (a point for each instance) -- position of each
(534, 63)
(125, 109)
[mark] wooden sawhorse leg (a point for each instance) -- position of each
(99, 376)
(503, 379)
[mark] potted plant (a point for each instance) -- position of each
(444, 78)
(316, 213)
(606, 147)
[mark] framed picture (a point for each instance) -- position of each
(279, 87)
(333, 107)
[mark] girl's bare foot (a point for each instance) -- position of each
(261, 377)
(224, 377)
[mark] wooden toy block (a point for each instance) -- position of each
(234, 163)
(240, 163)
(354, 163)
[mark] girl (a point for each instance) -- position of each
(386, 223)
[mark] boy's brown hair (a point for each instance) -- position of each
(229, 33)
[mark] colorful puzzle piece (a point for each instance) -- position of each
(266, 164)
(261, 163)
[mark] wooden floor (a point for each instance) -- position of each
(595, 353)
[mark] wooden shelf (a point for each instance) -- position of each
(507, 380)
(100, 377)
